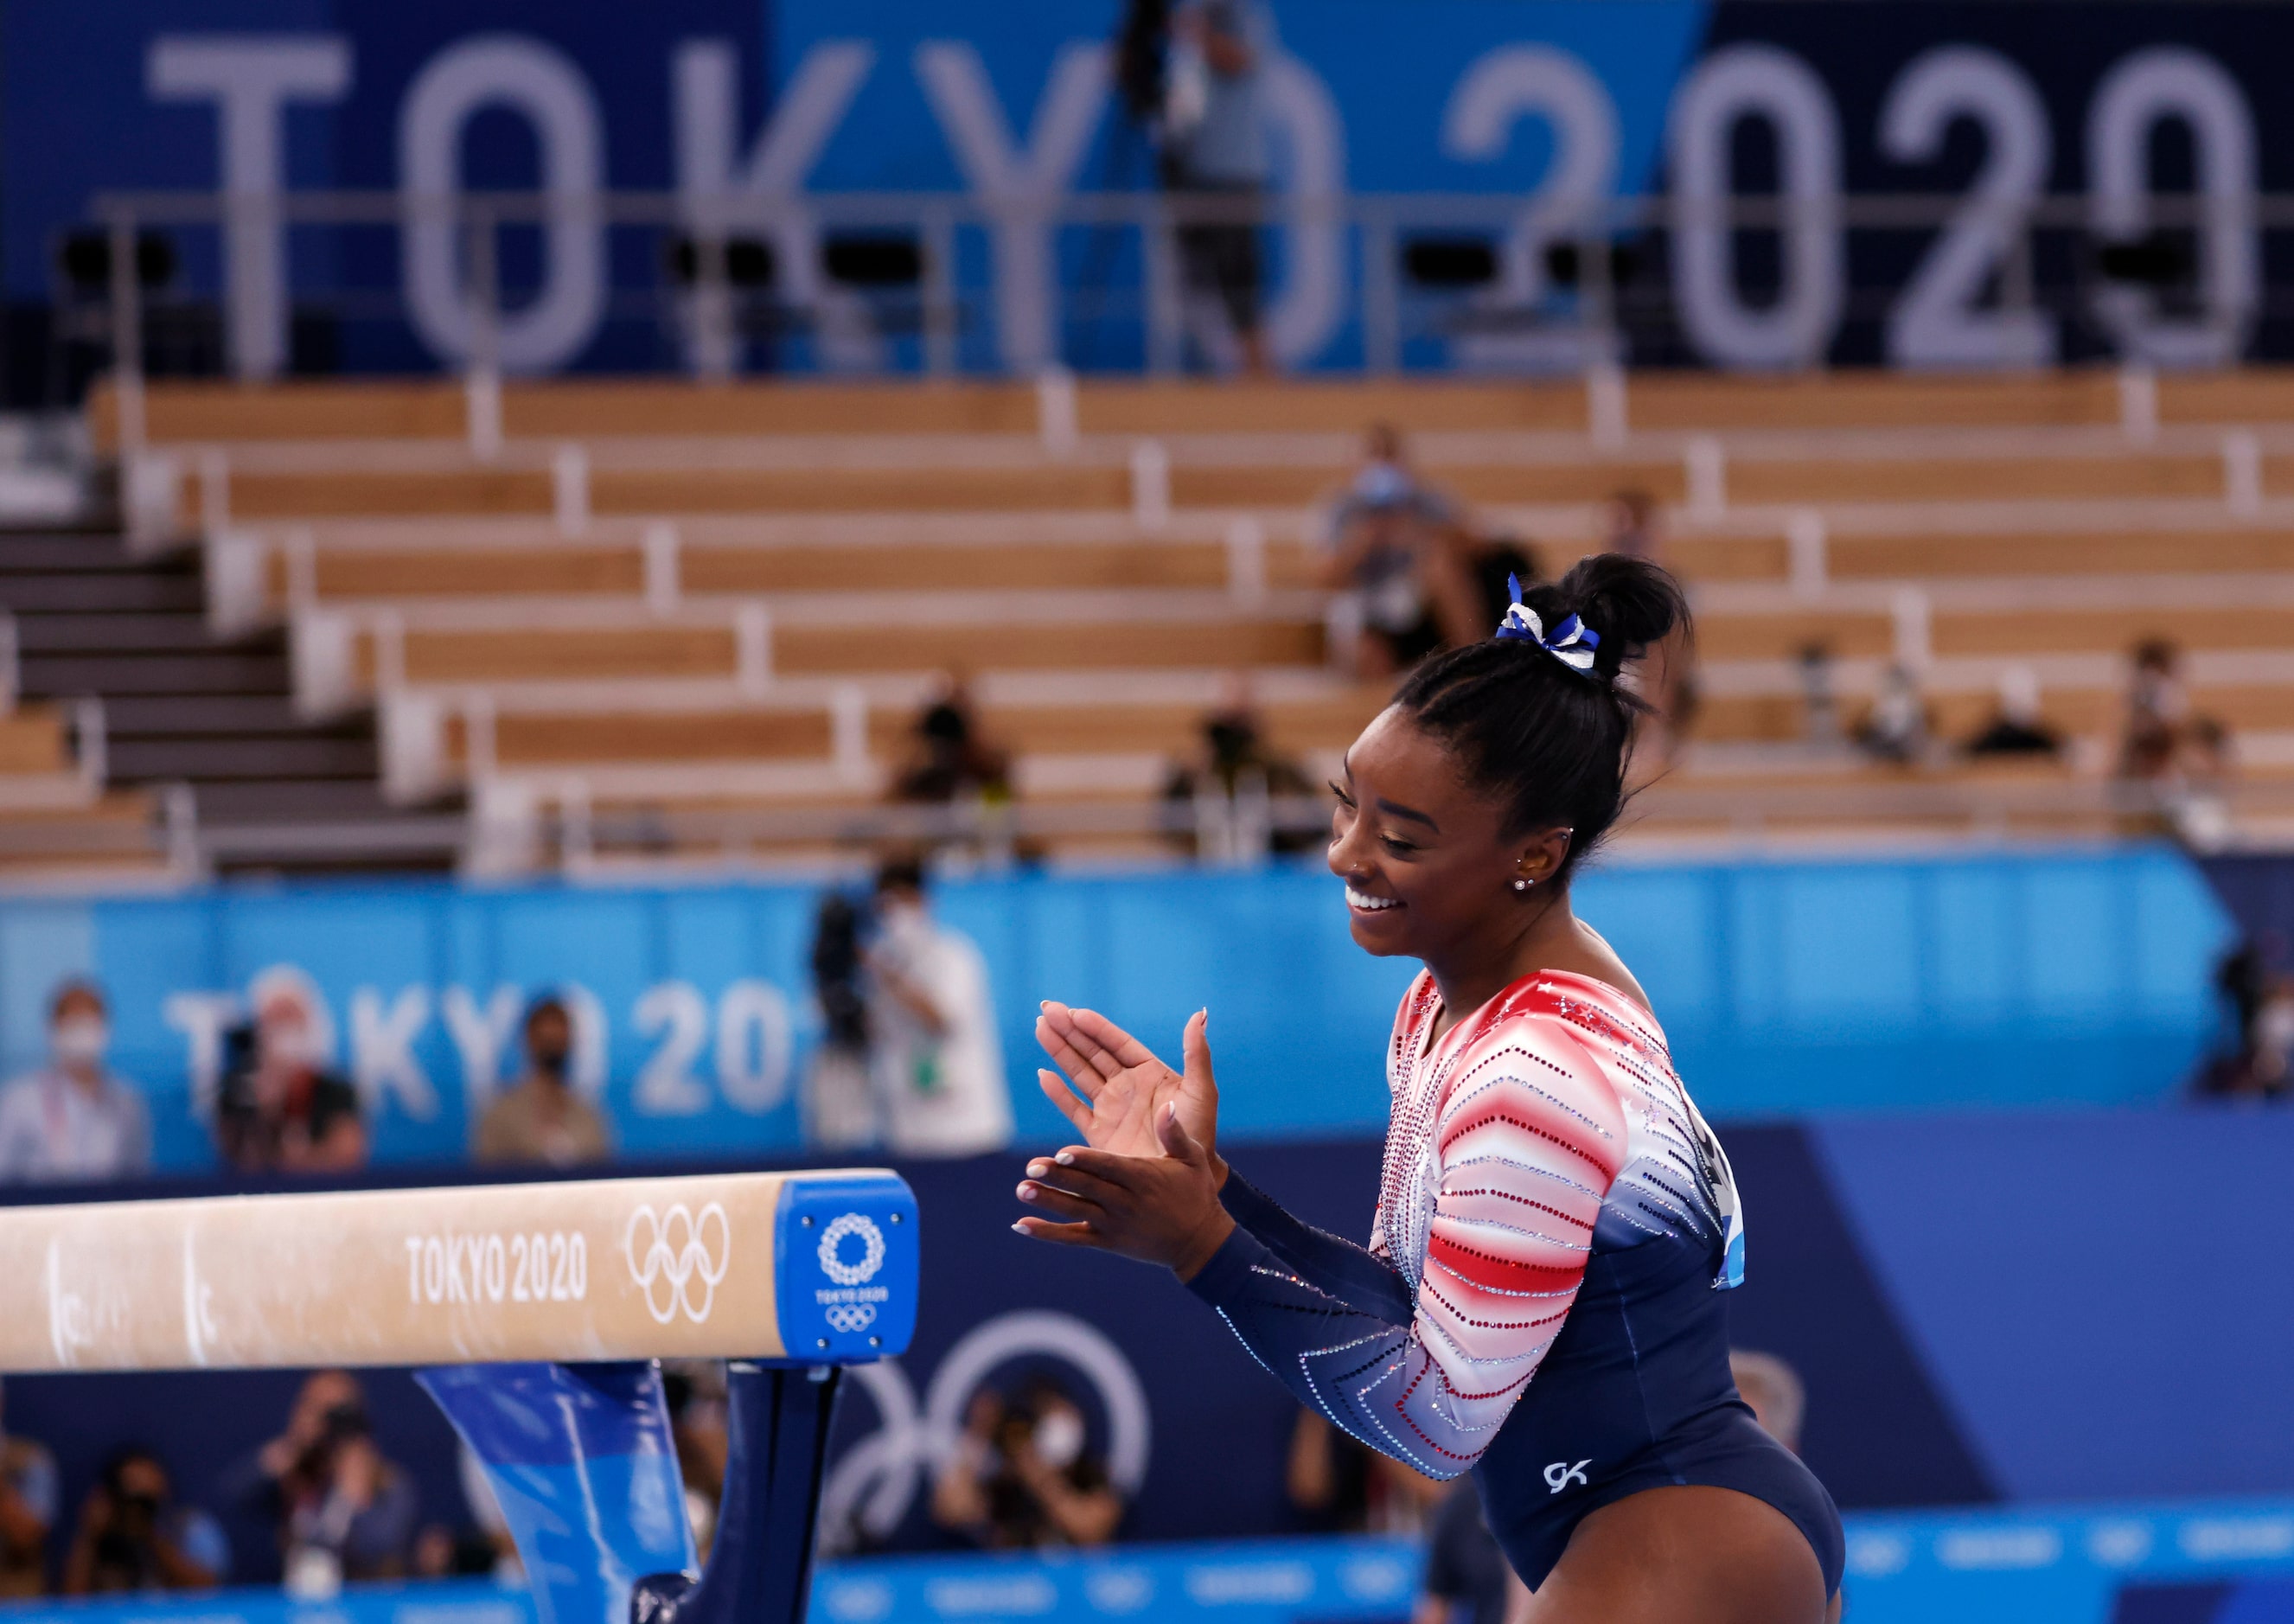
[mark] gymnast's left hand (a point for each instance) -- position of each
(1161, 1209)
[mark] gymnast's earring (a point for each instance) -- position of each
(1523, 885)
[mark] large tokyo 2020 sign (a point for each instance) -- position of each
(1548, 106)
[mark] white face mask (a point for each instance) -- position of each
(1058, 1439)
(2274, 1027)
(902, 921)
(80, 1040)
(291, 1045)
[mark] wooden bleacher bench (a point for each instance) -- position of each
(889, 531)
(217, 413)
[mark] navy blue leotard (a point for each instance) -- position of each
(1541, 1300)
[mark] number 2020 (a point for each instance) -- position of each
(1938, 319)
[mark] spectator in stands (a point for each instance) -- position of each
(1490, 560)
(481, 1548)
(933, 1052)
(695, 1394)
(951, 759)
(441, 1552)
(28, 1510)
(959, 1499)
(1338, 1485)
(2185, 758)
(1327, 1478)
(2017, 727)
(1233, 769)
(2158, 706)
(74, 1118)
(279, 1109)
(1468, 1581)
(541, 1120)
(2255, 1056)
(134, 1537)
(1774, 1389)
(342, 1511)
(1024, 1476)
(2198, 808)
(1897, 729)
(1666, 675)
(1213, 154)
(2271, 1040)
(1386, 550)
(1819, 700)
(1628, 525)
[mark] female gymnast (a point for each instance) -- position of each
(1539, 1302)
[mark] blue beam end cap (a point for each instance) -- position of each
(846, 1267)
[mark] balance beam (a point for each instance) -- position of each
(812, 1267)
(542, 1306)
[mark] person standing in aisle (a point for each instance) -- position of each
(933, 1054)
(1215, 155)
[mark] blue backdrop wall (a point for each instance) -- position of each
(1986, 980)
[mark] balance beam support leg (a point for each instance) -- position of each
(761, 1567)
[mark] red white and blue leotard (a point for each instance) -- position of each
(1540, 1301)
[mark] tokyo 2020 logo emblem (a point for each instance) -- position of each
(678, 1260)
(832, 1250)
(849, 1272)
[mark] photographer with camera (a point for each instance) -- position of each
(341, 1510)
(27, 1508)
(840, 1102)
(909, 1057)
(280, 1108)
(134, 1538)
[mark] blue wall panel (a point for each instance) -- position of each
(1785, 987)
(2101, 1300)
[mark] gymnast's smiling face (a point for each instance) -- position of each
(1429, 861)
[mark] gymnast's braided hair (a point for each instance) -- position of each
(1537, 714)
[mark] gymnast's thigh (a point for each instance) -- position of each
(1684, 1555)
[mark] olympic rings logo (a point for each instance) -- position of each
(872, 1251)
(676, 1256)
(869, 1489)
(850, 1316)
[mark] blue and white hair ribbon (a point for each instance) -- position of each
(1572, 641)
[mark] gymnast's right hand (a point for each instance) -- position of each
(1115, 1085)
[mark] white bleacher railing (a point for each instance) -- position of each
(91, 744)
(543, 822)
(1545, 294)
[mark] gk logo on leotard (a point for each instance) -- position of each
(1560, 1475)
(677, 1267)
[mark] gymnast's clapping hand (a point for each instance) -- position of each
(1146, 1182)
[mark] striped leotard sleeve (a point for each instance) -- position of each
(1522, 1144)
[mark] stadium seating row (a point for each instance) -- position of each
(658, 598)
(1680, 402)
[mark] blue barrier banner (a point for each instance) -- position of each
(2044, 977)
(583, 1466)
(2219, 1563)
(2207, 1563)
(1968, 1347)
